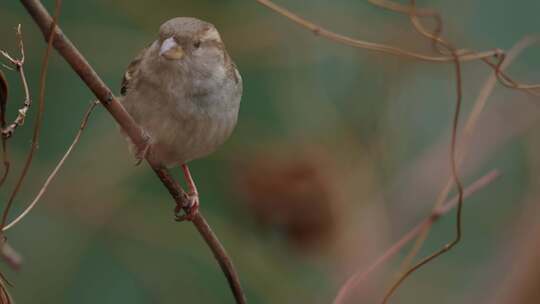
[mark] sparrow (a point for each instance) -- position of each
(184, 91)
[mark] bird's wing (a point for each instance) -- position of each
(131, 72)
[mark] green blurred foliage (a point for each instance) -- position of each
(104, 232)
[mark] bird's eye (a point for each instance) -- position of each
(197, 44)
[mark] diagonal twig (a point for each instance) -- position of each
(468, 129)
(359, 277)
(54, 172)
(37, 125)
(79, 64)
(441, 46)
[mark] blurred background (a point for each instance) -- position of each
(338, 152)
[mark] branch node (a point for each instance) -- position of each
(109, 98)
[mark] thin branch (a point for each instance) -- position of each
(7, 131)
(37, 125)
(359, 277)
(404, 8)
(456, 57)
(342, 39)
(220, 254)
(454, 162)
(441, 45)
(79, 64)
(469, 127)
(463, 54)
(457, 181)
(53, 174)
(438, 41)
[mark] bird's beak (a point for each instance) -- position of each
(171, 50)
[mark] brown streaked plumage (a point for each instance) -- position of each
(184, 91)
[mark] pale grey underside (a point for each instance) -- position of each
(187, 108)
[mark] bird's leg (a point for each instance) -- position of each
(142, 152)
(193, 194)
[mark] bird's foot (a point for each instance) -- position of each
(142, 152)
(190, 211)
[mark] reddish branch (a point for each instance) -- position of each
(437, 42)
(462, 54)
(356, 279)
(79, 64)
(446, 53)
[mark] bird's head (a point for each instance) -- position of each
(190, 39)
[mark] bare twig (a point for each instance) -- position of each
(441, 46)
(469, 127)
(453, 163)
(7, 131)
(359, 277)
(53, 174)
(462, 54)
(37, 125)
(456, 56)
(404, 8)
(342, 39)
(448, 53)
(79, 64)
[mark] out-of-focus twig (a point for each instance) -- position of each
(456, 178)
(37, 124)
(441, 46)
(357, 278)
(447, 52)
(53, 174)
(79, 64)
(462, 54)
(11, 256)
(456, 56)
(342, 39)
(470, 126)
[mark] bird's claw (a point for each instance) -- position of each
(141, 153)
(190, 211)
